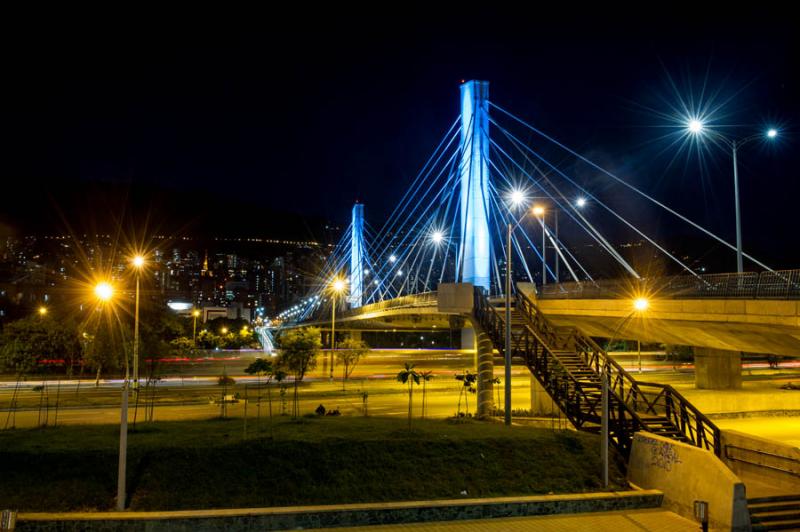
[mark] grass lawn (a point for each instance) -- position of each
(327, 460)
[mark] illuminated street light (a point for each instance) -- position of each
(695, 126)
(640, 304)
(392, 258)
(104, 291)
(337, 286)
(517, 197)
(224, 330)
(538, 210)
(580, 202)
(437, 237)
(42, 311)
(138, 261)
(195, 315)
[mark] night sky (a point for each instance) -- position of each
(245, 117)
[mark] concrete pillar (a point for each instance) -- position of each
(541, 403)
(717, 369)
(467, 338)
(485, 356)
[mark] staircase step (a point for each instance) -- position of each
(774, 507)
(777, 525)
(771, 517)
(774, 498)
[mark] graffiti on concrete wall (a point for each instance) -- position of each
(663, 454)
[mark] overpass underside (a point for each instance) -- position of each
(756, 326)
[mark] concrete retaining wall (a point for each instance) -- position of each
(766, 466)
(685, 474)
(341, 515)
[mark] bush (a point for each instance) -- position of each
(225, 380)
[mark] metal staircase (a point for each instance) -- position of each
(570, 365)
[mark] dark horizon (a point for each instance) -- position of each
(258, 130)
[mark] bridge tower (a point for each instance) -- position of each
(476, 243)
(357, 257)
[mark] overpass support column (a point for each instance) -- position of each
(717, 369)
(541, 402)
(484, 354)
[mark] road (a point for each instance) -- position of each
(188, 389)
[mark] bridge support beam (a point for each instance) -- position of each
(541, 402)
(717, 369)
(485, 356)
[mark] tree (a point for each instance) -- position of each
(349, 353)
(408, 375)
(181, 347)
(265, 368)
(107, 347)
(468, 379)
(425, 376)
(25, 343)
(299, 350)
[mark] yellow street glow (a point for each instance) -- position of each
(641, 304)
(224, 330)
(42, 311)
(538, 210)
(138, 261)
(104, 291)
(195, 313)
(338, 285)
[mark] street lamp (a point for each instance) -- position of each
(517, 199)
(42, 311)
(337, 287)
(104, 292)
(195, 314)
(640, 304)
(696, 127)
(138, 264)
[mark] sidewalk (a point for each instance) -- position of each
(655, 520)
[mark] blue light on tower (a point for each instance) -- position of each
(476, 243)
(357, 256)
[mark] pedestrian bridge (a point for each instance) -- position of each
(757, 313)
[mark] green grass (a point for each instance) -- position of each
(208, 464)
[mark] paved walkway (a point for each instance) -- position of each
(655, 520)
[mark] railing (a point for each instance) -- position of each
(646, 402)
(765, 285)
(580, 401)
(785, 464)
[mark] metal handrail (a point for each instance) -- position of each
(784, 284)
(692, 423)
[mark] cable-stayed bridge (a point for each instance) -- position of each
(497, 209)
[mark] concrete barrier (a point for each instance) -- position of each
(686, 474)
(767, 467)
(307, 517)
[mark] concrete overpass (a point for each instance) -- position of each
(736, 316)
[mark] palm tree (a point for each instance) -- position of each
(426, 376)
(408, 375)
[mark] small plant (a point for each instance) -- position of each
(224, 380)
(408, 375)
(468, 379)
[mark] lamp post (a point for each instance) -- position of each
(517, 199)
(138, 263)
(696, 127)
(195, 314)
(104, 293)
(336, 288)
